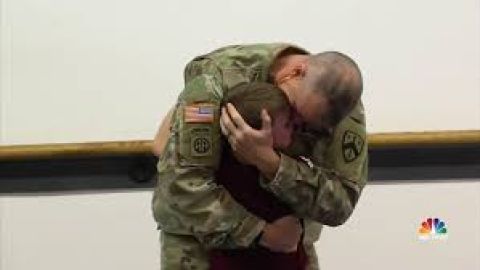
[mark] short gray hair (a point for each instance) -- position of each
(338, 78)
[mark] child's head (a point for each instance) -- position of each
(250, 98)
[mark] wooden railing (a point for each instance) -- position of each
(142, 147)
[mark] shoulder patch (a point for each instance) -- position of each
(201, 142)
(352, 145)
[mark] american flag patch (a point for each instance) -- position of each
(199, 113)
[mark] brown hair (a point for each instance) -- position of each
(250, 98)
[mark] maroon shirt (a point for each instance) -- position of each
(241, 181)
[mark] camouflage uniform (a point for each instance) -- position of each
(194, 214)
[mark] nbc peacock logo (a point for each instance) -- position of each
(432, 228)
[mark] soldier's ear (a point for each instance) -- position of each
(301, 69)
(297, 72)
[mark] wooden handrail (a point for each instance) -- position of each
(424, 139)
(70, 150)
(121, 148)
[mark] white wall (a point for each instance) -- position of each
(73, 71)
(108, 70)
(78, 231)
(115, 231)
(382, 232)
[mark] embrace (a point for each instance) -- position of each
(265, 145)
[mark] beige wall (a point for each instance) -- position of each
(108, 70)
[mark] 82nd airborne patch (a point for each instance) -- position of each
(201, 142)
(352, 146)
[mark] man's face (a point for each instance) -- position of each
(282, 128)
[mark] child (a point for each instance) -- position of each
(242, 181)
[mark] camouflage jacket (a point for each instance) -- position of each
(321, 189)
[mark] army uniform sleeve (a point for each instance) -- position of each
(188, 196)
(327, 193)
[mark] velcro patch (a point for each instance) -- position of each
(352, 146)
(199, 113)
(201, 142)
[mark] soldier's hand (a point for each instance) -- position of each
(283, 235)
(252, 145)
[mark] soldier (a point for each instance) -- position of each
(195, 214)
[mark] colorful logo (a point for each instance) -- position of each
(432, 228)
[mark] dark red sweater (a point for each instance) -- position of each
(241, 181)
